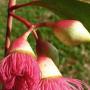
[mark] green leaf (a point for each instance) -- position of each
(71, 9)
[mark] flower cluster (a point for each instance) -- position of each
(19, 70)
(22, 69)
(51, 77)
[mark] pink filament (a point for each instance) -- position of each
(62, 84)
(19, 71)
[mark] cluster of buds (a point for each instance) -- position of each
(23, 69)
(51, 77)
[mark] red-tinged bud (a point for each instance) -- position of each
(19, 70)
(21, 44)
(46, 48)
(52, 78)
(71, 32)
(47, 67)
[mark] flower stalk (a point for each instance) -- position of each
(9, 26)
(21, 19)
(25, 22)
(25, 4)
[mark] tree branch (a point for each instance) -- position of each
(9, 25)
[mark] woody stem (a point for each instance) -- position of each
(9, 25)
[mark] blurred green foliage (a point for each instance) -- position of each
(74, 61)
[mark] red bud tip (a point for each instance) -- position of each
(21, 43)
(66, 23)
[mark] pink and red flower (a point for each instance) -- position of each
(19, 70)
(53, 80)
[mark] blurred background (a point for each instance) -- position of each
(74, 61)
